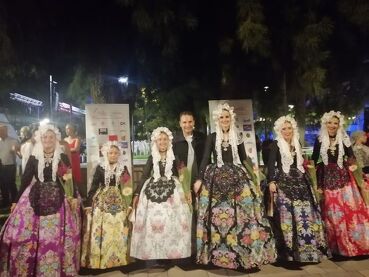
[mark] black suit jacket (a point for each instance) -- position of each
(180, 148)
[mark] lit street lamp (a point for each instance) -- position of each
(123, 80)
(51, 92)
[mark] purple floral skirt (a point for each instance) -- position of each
(32, 245)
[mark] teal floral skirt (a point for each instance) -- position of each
(231, 229)
(297, 223)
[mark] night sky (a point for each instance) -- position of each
(55, 37)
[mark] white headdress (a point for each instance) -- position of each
(232, 134)
(156, 155)
(117, 171)
(284, 148)
(38, 151)
(342, 137)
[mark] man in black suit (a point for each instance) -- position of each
(188, 147)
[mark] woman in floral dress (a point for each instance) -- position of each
(162, 227)
(106, 228)
(42, 235)
(231, 230)
(297, 223)
(344, 212)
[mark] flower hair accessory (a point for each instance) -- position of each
(38, 151)
(284, 148)
(232, 134)
(44, 128)
(328, 116)
(108, 169)
(221, 107)
(155, 134)
(156, 157)
(342, 137)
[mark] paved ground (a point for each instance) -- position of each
(352, 267)
(336, 268)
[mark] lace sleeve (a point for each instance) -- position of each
(96, 181)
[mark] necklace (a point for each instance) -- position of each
(112, 170)
(292, 150)
(48, 157)
(163, 159)
(332, 145)
(225, 144)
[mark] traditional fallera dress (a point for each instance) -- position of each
(42, 235)
(106, 228)
(343, 210)
(231, 230)
(162, 227)
(297, 223)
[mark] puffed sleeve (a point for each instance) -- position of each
(349, 152)
(316, 151)
(206, 158)
(29, 172)
(145, 175)
(175, 168)
(274, 149)
(96, 181)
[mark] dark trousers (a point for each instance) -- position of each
(8, 187)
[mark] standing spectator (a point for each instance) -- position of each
(74, 144)
(26, 147)
(8, 169)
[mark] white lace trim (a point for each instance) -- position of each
(233, 138)
(342, 138)
(156, 157)
(284, 147)
(38, 151)
(117, 169)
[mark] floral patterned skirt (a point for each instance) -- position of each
(345, 215)
(162, 229)
(32, 245)
(231, 230)
(105, 231)
(297, 222)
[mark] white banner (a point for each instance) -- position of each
(102, 121)
(244, 123)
